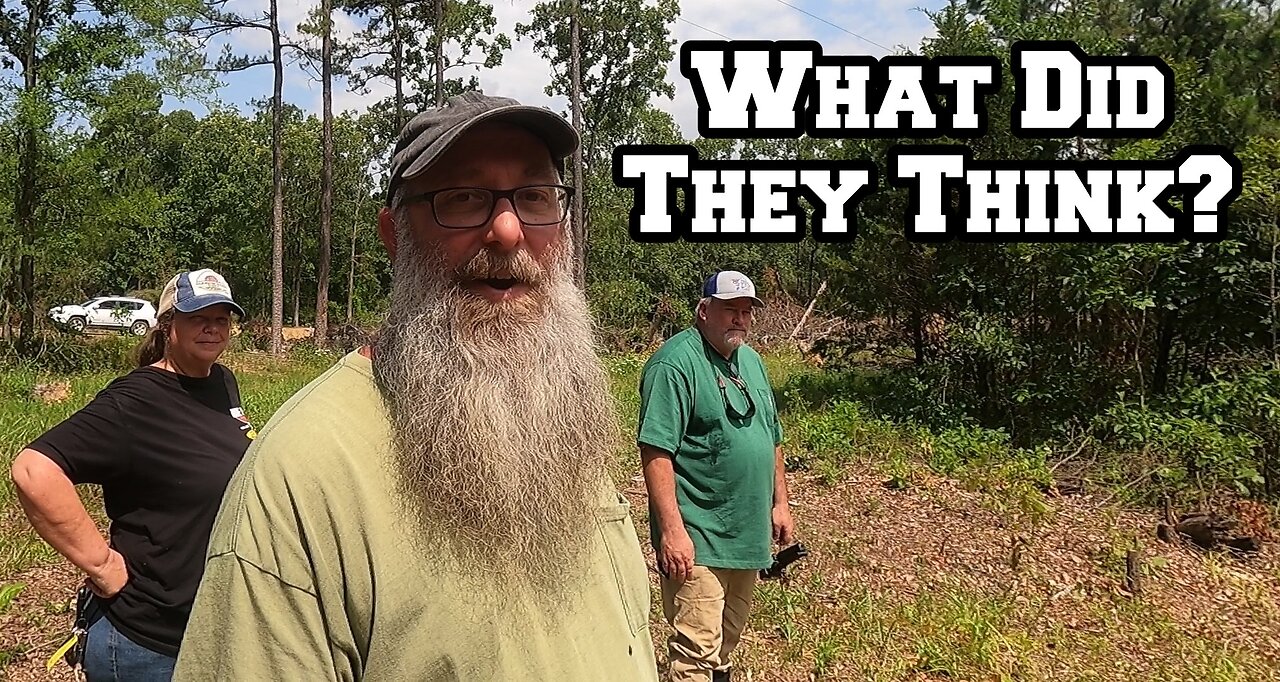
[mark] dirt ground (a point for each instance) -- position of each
(901, 555)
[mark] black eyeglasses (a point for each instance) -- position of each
(460, 208)
(729, 408)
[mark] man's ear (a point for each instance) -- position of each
(387, 230)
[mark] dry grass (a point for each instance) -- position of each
(37, 622)
(976, 578)
(923, 584)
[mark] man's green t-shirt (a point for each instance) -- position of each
(311, 574)
(723, 449)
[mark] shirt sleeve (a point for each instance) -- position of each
(92, 445)
(665, 405)
(233, 387)
(249, 624)
(777, 418)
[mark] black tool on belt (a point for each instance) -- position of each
(783, 559)
(73, 648)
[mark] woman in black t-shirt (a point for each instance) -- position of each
(163, 442)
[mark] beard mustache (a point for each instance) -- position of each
(501, 417)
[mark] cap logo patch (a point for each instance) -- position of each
(213, 284)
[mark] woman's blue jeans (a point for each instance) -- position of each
(111, 657)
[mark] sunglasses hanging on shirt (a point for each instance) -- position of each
(740, 396)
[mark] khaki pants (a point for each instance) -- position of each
(708, 612)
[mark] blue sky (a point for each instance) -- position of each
(523, 75)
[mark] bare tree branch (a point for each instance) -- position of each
(237, 67)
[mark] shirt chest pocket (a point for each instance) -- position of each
(625, 560)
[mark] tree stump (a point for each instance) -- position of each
(1133, 572)
(1211, 530)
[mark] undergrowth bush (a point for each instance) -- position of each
(59, 353)
(983, 401)
(1224, 433)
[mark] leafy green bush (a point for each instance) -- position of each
(826, 440)
(620, 304)
(954, 449)
(1222, 433)
(1182, 452)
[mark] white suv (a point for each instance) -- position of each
(107, 312)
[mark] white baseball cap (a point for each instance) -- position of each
(191, 291)
(730, 284)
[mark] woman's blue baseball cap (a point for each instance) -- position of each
(188, 292)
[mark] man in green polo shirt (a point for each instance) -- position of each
(710, 443)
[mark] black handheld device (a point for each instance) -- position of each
(783, 559)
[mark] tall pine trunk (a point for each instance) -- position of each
(439, 52)
(579, 223)
(397, 63)
(1275, 325)
(277, 189)
(321, 335)
(297, 294)
(351, 271)
(27, 198)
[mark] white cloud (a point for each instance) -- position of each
(292, 13)
(887, 22)
(524, 74)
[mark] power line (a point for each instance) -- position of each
(704, 28)
(803, 12)
(836, 26)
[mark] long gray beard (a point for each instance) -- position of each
(501, 416)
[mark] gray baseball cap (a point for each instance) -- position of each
(431, 133)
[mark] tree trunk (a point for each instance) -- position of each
(297, 294)
(579, 224)
(277, 190)
(439, 52)
(917, 336)
(808, 311)
(397, 63)
(6, 297)
(321, 334)
(1275, 326)
(1164, 347)
(1203, 374)
(28, 197)
(351, 272)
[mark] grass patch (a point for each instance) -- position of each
(956, 633)
(831, 625)
(264, 385)
(8, 593)
(947, 633)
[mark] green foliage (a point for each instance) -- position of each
(1035, 340)
(954, 449)
(8, 593)
(401, 39)
(1225, 433)
(75, 354)
(157, 193)
(625, 48)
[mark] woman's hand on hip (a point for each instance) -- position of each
(107, 580)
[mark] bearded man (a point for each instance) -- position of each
(437, 507)
(711, 447)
